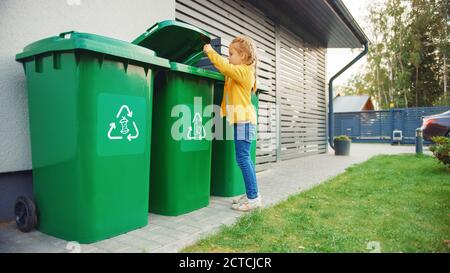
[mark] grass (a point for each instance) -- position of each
(401, 202)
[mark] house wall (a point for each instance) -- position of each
(292, 115)
(301, 96)
(368, 106)
(226, 20)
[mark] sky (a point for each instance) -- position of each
(338, 58)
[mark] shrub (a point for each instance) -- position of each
(441, 150)
(343, 138)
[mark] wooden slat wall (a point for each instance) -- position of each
(228, 19)
(302, 97)
(292, 72)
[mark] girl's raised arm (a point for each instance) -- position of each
(238, 73)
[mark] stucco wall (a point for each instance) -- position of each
(25, 21)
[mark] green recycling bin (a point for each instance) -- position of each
(226, 176)
(181, 133)
(90, 100)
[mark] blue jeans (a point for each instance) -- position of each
(244, 133)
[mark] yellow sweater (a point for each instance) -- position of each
(239, 82)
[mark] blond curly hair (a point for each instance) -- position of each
(246, 46)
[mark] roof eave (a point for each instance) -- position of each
(344, 14)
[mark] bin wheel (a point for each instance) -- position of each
(25, 214)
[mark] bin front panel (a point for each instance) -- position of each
(180, 176)
(121, 122)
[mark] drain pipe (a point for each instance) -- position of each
(330, 94)
(346, 17)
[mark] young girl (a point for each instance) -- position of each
(240, 81)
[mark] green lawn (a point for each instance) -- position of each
(400, 201)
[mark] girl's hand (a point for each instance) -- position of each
(207, 48)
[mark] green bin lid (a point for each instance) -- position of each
(76, 40)
(197, 71)
(179, 42)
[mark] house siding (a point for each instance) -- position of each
(292, 114)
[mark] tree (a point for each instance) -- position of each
(407, 59)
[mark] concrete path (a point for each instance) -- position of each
(171, 234)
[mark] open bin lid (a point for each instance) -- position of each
(72, 40)
(196, 71)
(179, 42)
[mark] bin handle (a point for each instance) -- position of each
(65, 34)
(150, 29)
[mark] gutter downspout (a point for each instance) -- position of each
(346, 17)
(330, 94)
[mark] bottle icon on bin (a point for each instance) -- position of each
(124, 123)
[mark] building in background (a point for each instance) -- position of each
(352, 103)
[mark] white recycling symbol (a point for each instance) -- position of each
(124, 130)
(198, 133)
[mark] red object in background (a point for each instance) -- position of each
(436, 125)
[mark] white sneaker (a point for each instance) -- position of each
(248, 205)
(240, 199)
